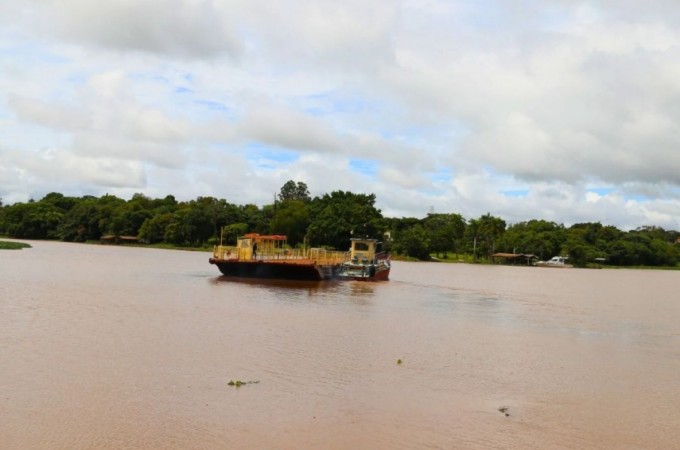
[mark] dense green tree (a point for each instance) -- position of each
(153, 229)
(289, 216)
(588, 231)
(628, 251)
(58, 200)
(294, 191)
(338, 216)
(446, 232)
(33, 220)
(579, 252)
(644, 246)
(232, 232)
(258, 219)
(128, 218)
(81, 222)
(107, 212)
(212, 210)
(483, 233)
(291, 219)
(175, 231)
(168, 204)
(662, 253)
(414, 242)
(536, 237)
(195, 223)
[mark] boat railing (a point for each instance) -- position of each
(327, 257)
(318, 255)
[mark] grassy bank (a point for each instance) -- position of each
(605, 266)
(460, 258)
(205, 248)
(5, 245)
(164, 246)
(468, 259)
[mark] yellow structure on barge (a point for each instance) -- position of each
(268, 256)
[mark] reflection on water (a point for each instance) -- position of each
(285, 288)
(113, 347)
(309, 291)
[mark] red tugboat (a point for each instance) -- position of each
(365, 262)
(267, 256)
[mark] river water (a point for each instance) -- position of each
(128, 348)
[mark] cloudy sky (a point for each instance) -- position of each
(553, 109)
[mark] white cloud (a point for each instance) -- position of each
(107, 147)
(542, 98)
(184, 28)
(42, 113)
(33, 174)
(288, 130)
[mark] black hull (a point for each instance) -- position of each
(259, 269)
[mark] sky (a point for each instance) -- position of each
(559, 110)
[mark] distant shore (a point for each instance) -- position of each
(468, 259)
(459, 259)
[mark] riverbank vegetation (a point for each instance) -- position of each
(330, 220)
(6, 245)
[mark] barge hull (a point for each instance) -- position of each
(265, 269)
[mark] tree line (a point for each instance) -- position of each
(330, 220)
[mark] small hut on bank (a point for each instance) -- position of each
(514, 259)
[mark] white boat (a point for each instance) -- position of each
(555, 261)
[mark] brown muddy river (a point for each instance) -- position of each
(129, 348)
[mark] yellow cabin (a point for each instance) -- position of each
(253, 245)
(362, 251)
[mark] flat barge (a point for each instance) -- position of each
(267, 256)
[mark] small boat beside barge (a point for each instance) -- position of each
(366, 263)
(268, 256)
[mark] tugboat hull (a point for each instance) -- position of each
(372, 272)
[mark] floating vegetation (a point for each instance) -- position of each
(239, 383)
(399, 361)
(504, 410)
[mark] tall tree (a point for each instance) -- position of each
(292, 220)
(483, 233)
(294, 191)
(154, 228)
(537, 237)
(338, 216)
(445, 230)
(414, 242)
(81, 223)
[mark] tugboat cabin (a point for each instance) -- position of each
(365, 263)
(363, 251)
